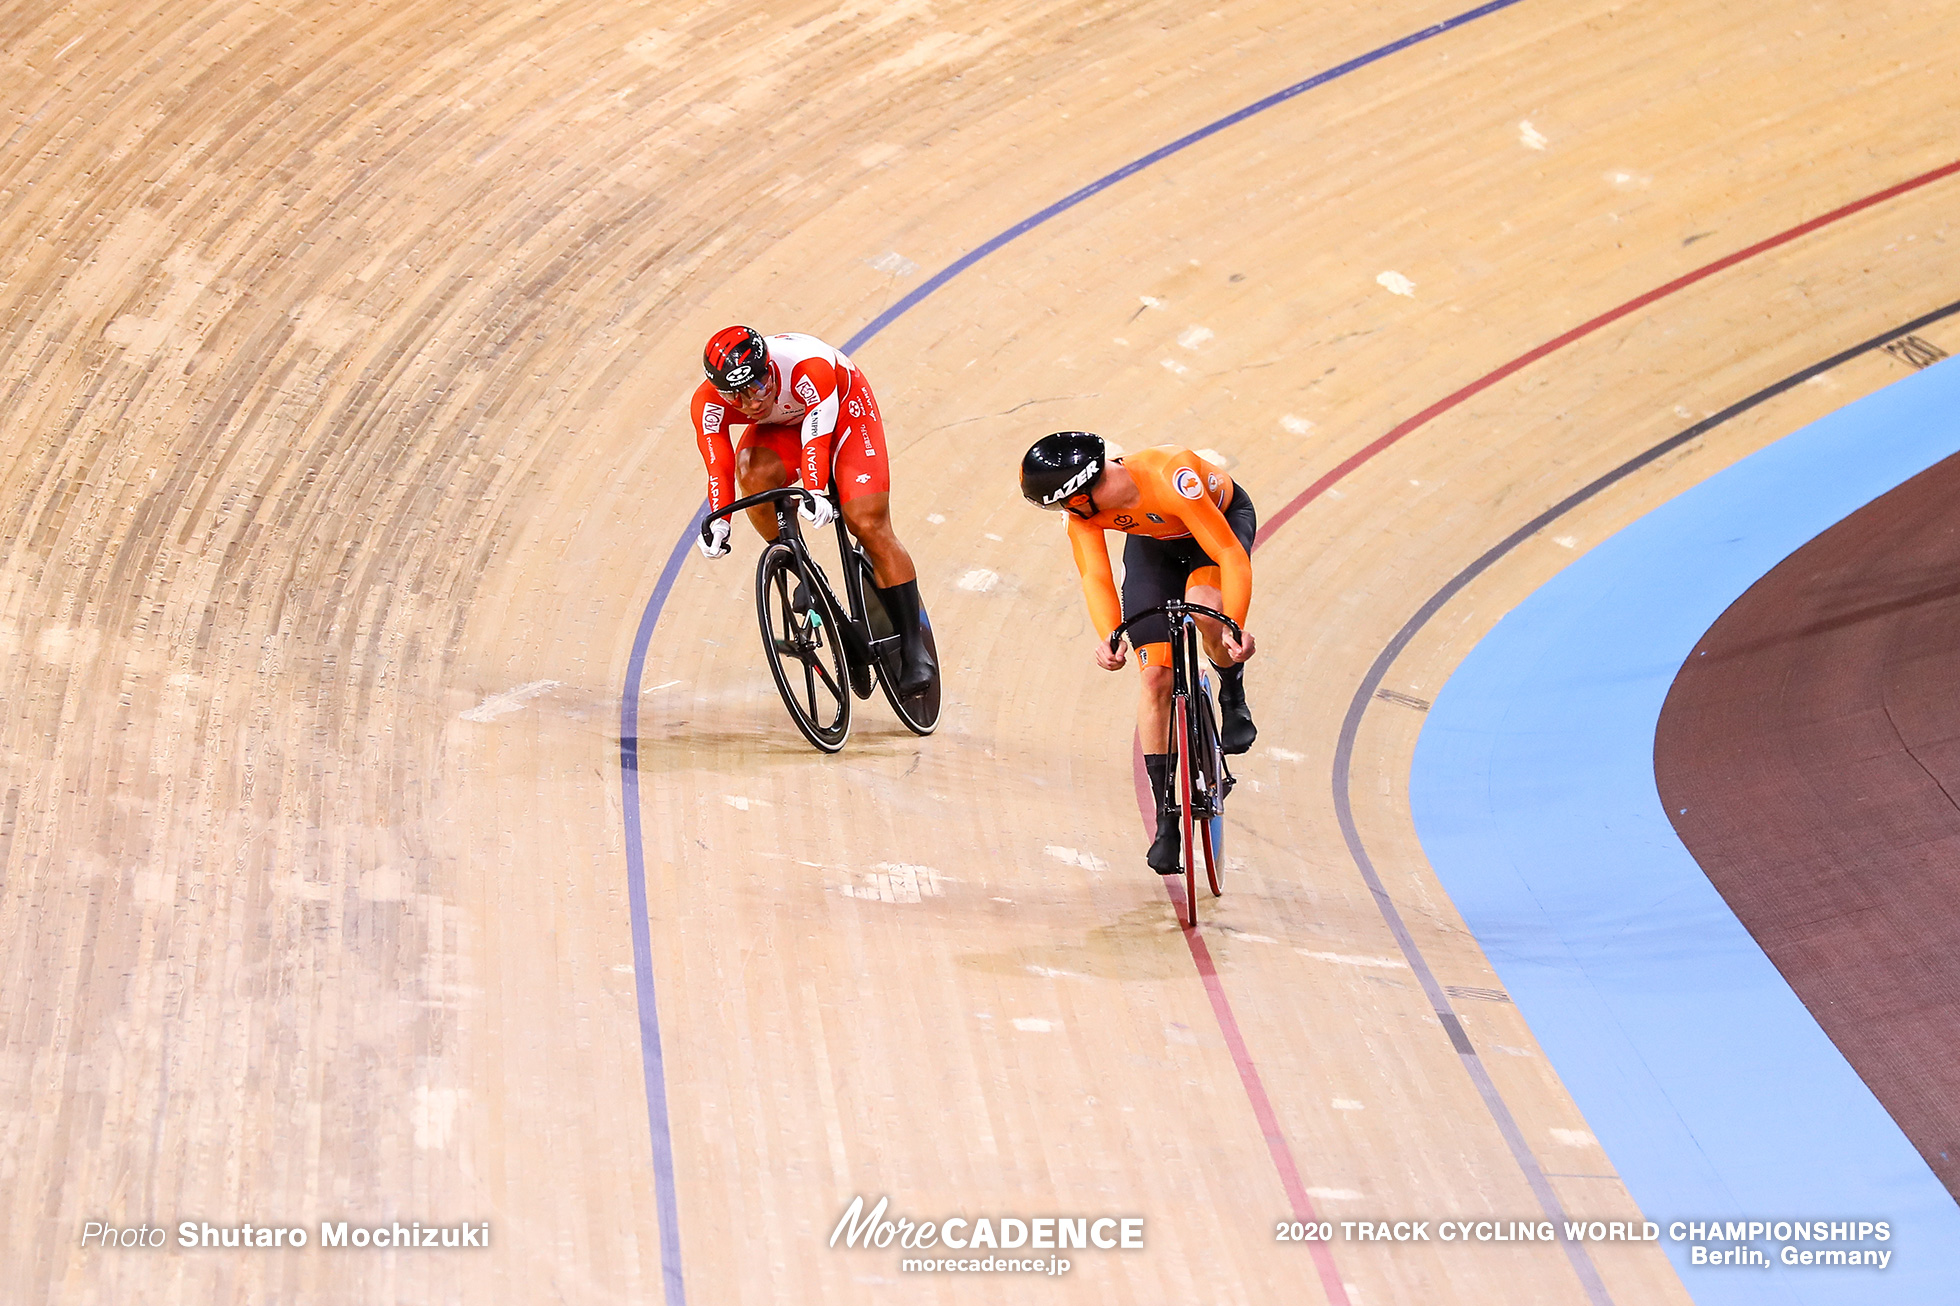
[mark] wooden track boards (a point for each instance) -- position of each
(347, 348)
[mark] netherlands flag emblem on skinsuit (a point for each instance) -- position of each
(1189, 483)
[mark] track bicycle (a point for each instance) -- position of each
(1203, 777)
(822, 652)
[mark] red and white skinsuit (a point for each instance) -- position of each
(824, 421)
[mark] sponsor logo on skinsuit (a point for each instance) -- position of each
(806, 390)
(1188, 483)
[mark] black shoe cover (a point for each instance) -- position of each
(1166, 849)
(917, 667)
(1237, 732)
(920, 670)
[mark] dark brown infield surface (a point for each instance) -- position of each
(1809, 757)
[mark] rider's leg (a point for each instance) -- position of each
(757, 468)
(870, 521)
(1153, 571)
(1211, 633)
(1236, 730)
(1154, 731)
(869, 517)
(862, 474)
(1154, 703)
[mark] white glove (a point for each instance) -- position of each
(818, 511)
(715, 544)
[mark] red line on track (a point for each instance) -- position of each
(1489, 379)
(1255, 1088)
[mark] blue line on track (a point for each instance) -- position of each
(636, 900)
(1103, 183)
(651, 1056)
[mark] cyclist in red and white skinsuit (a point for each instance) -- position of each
(807, 407)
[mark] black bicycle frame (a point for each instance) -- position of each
(1185, 646)
(789, 527)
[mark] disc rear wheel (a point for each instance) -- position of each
(805, 649)
(1211, 776)
(919, 712)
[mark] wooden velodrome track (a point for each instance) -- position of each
(344, 372)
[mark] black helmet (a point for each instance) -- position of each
(1061, 467)
(736, 359)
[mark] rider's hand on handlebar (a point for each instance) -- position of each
(818, 510)
(1111, 659)
(1241, 648)
(714, 539)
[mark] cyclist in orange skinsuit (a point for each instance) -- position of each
(1190, 535)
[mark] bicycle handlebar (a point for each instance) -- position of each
(757, 500)
(1175, 608)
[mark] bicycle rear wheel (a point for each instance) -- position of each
(1210, 769)
(805, 650)
(1190, 828)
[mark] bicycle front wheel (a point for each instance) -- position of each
(1186, 792)
(805, 649)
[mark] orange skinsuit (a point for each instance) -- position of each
(1165, 513)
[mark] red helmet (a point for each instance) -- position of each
(736, 359)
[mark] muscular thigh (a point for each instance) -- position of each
(1154, 572)
(858, 461)
(765, 455)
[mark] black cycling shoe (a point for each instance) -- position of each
(920, 670)
(1167, 848)
(1236, 731)
(917, 668)
(800, 601)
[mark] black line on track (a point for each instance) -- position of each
(1371, 682)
